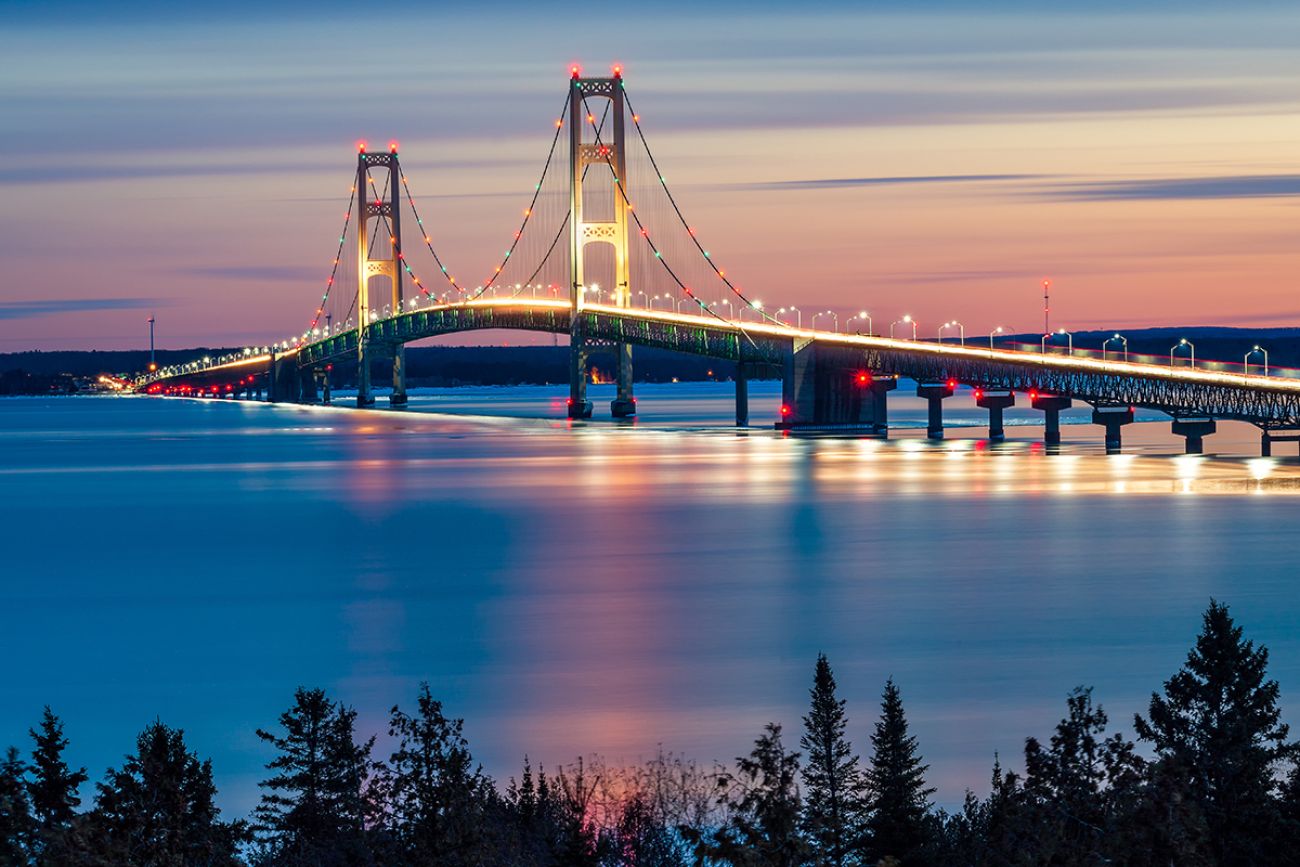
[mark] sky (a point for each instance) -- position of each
(933, 158)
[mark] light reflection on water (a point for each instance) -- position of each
(608, 587)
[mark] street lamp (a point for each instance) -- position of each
(730, 308)
(906, 320)
(681, 301)
(1069, 336)
(1245, 362)
(835, 318)
(997, 330)
(1123, 341)
(756, 306)
(864, 315)
(798, 314)
(961, 330)
(1191, 348)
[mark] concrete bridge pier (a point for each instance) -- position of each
(879, 388)
(1195, 430)
(995, 402)
(326, 387)
(1113, 418)
(398, 397)
(306, 386)
(1051, 405)
(624, 403)
(935, 392)
(826, 389)
(579, 406)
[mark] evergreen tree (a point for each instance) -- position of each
(1218, 728)
(158, 808)
(761, 801)
(1081, 787)
(17, 826)
(436, 794)
(317, 806)
(52, 789)
(899, 823)
(833, 797)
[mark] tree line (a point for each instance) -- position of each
(1215, 783)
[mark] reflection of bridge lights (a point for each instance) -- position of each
(1188, 466)
(1261, 468)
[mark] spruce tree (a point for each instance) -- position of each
(761, 802)
(833, 797)
(1218, 727)
(899, 824)
(316, 808)
(52, 788)
(436, 793)
(158, 808)
(17, 826)
(1081, 787)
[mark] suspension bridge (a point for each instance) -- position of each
(604, 255)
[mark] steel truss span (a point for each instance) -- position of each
(1269, 402)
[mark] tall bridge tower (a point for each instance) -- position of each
(604, 150)
(380, 214)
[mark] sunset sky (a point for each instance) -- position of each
(938, 159)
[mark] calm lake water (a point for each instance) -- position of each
(606, 588)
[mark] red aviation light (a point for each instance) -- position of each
(361, 147)
(392, 147)
(1033, 394)
(863, 377)
(979, 392)
(618, 70)
(575, 71)
(952, 383)
(568, 402)
(785, 410)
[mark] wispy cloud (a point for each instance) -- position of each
(1235, 187)
(262, 273)
(57, 306)
(889, 180)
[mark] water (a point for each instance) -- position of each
(606, 587)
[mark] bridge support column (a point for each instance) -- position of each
(1051, 405)
(579, 406)
(879, 388)
(398, 397)
(742, 395)
(325, 385)
(306, 386)
(1113, 418)
(624, 404)
(935, 392)
(364, 396)
(827, 389)
(995, 402)
(1195, 430)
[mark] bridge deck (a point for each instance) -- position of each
(1268, 401)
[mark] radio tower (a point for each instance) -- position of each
(1047, 325)
(152, 364)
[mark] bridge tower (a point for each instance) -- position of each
(606, 151)
(375, 209)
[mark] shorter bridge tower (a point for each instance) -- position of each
(377, 212)
(606, 151)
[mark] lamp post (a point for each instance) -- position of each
(906, 320)
(756, 306)
(834, 318)
(997, 330)
(864, 315)
(730, 308)
(1245, 362)
(798, 314)
(961, 330)
(681, 301)
(1123, 342)
(1191, 348)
